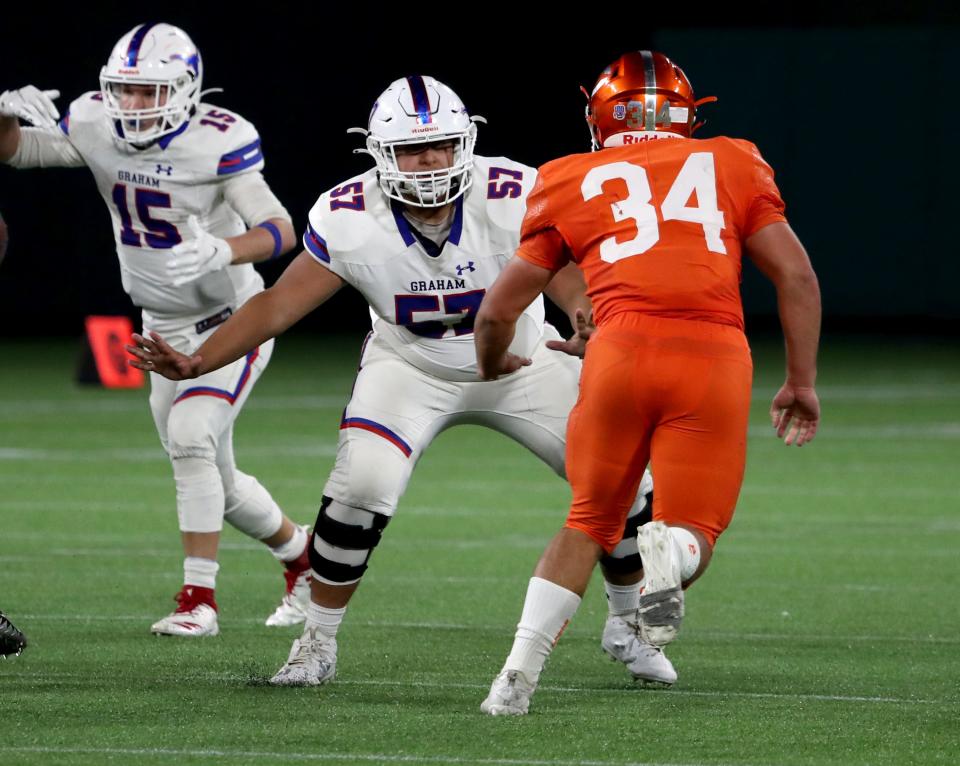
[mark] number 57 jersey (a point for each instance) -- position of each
(424, 297)
(657, 226)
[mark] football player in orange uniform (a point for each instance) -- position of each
(657, 221)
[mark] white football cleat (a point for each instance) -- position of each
(509, 694)
(661, 602)
(645, 662)
(195, 615)
(312, 661)
(293, 606)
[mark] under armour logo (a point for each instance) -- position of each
(468, 267)
(168, 169)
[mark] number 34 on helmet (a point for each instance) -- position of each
(639, 94)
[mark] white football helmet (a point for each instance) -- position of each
(158, 55)
(418, 110)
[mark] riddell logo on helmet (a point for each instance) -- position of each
(632, 139)
(129, 71)
(426, 129)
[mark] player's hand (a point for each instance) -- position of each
(508, 363)
(154, 354)
(201, 255)
(795, 412)
(31, 105)
(577, 344)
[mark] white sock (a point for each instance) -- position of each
(326, 620)
(622, 600)
(200, 572)
(546, 611)
(292, 549)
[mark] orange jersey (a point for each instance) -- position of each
(657, 227)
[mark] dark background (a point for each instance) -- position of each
(855, 105)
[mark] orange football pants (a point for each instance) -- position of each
(671, 392)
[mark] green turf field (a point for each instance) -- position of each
(826, 632)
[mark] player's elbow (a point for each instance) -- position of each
(799, 290)
(793, 274)
(803, 279)
(491, 317)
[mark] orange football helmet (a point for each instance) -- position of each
(641, 92)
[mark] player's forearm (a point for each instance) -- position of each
(492, 338)
(9, 137)
(798, 302)
(257, 321)
(568, 290)
(263, 242)
(301, 288)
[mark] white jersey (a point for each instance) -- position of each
(423, 298)
(150, 193)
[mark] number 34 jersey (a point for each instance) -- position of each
(657, 226)
(150, 193)
(423, 298)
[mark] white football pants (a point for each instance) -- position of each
(194, 419)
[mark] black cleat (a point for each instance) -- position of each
(12, 641)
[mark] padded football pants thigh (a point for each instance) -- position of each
(682, 403)
(698, 451)
(607, 445)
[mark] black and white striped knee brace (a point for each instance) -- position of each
(343, 539)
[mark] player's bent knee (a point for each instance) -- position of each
(199, 494)
(606, 539)
(249, 507)
(343, 539)
(625, 558)
(189, 435)
(373, 477)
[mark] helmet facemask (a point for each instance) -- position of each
(419, 111)
(425, 188)
(171, 105)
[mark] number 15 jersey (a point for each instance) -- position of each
(657, 227)
(150, 193)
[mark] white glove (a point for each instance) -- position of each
(31, 104)
(201, 255)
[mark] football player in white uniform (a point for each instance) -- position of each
(182, 180)
(422, 236)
